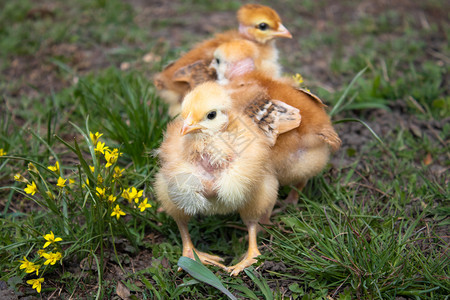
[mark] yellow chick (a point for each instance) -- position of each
(214, 160)
(257, 23)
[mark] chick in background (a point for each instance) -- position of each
(257, 23)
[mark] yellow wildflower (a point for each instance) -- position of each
(2, 152)
(36, 283)
(99, 179)
(31, 188)
(50, 195)
(71, 181)
(117, 172)
(52, 258)
(101, 192)
(33, 168)
(95, 137)
(20, 178)
(111, 157)
(143, 205)
(61, 182)
(54, 168)
(25, 263)
(101, 148)
(51, 239)
(112, 198)
(92, 168)
(87, 183)
(298, 78)
(132, 194)
(41, 252)
(117, 212)
(29, 266)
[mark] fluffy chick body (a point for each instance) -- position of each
(303, 152)
(219, 175)
(215, 160)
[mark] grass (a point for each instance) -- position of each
(373, 226)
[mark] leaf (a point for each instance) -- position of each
(14, 281)
(201, 273)
(189, 282)
(131, 286)
(427, 160)
(295, 288)
(122, 291)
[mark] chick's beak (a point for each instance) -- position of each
(283, 32)
(189, 128)
(213, 67)
(189, 125)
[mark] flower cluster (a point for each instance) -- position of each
(133, 195)
(111, 156)
(98, 183)
(105, 193)
(103, 190)
(2, 152)
(299, 81)
(45, 258)
(32, 188)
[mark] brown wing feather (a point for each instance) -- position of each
(195, 73)
(273, 117)
(314, 97)
(331, 138)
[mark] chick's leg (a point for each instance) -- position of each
(293, 195)
(188, 247)
(261, 203)
(252, 252)
(265, 218)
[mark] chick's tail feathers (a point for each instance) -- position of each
(329, 136)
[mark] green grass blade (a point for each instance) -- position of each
(339, 103)
(247, 292)
(375, 135)
(201, 273)
(263, 286)
(88, 141)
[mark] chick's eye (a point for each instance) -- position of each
(217, 61)
(211, 115)
(263, 26)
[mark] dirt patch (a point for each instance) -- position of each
(40, 74)
(356, 137)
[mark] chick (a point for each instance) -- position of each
(257, 23)
(214, 160)
(298, 154)
(239, 57)
(236, 58)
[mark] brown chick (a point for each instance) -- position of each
(298, 154)
(257, 23)
(214, 160)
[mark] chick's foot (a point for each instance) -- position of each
(205, 258)
(249, 259)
